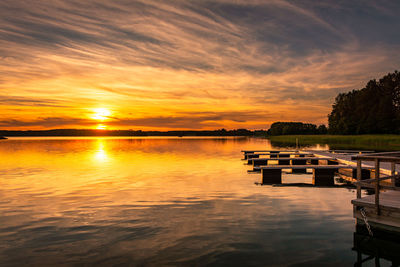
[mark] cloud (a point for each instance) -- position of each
(23, 101)
(161, 59)
(46, 122)
(187, 120)
(193, 120)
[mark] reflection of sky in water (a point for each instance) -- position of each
(160, 201)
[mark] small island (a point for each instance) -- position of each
(2, 137)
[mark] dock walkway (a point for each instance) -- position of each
(383, 208)
(345, 158)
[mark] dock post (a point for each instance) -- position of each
(358, 178)
(271, 176)
(324, 177)
(393, 172)
(377, 174)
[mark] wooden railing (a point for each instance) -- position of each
(391, 157)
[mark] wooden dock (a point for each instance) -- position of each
(377, 171)
(381, 210)
(289, 161)
(323, 175)
(323, 168)
(275, 154)
(389, 209)
(346, 158)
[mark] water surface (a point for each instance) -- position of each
(161, 201)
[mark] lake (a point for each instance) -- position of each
(162, 201)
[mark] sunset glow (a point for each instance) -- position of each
(101, 127)
(101, 114)
(157, 65)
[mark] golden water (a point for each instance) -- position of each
(161, 201)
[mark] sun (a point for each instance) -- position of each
(101, 114)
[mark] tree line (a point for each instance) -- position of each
(286, 128)
(374, 109)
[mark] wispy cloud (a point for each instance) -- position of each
(161, 63)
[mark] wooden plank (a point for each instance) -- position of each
(387, 199)
(377, 173)
(280, 154)
(359, 178)
(373, 180)
(306, 166)
(389, 153)
(350, 151)
(273, 151)
(380, 221)
(393, 172)
(382, 158)
(299, 159)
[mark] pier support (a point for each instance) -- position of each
(271, 176)
(324, 177)
(299, 162)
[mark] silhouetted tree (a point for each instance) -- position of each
(286, 128)
(373, 109)
(322, 129)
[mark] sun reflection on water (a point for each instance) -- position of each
(100, 154)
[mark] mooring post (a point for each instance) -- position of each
(358, 178)
(393, 172)
(377, 174)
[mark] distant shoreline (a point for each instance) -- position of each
(127, 133)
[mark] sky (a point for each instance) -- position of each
(168, 65)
